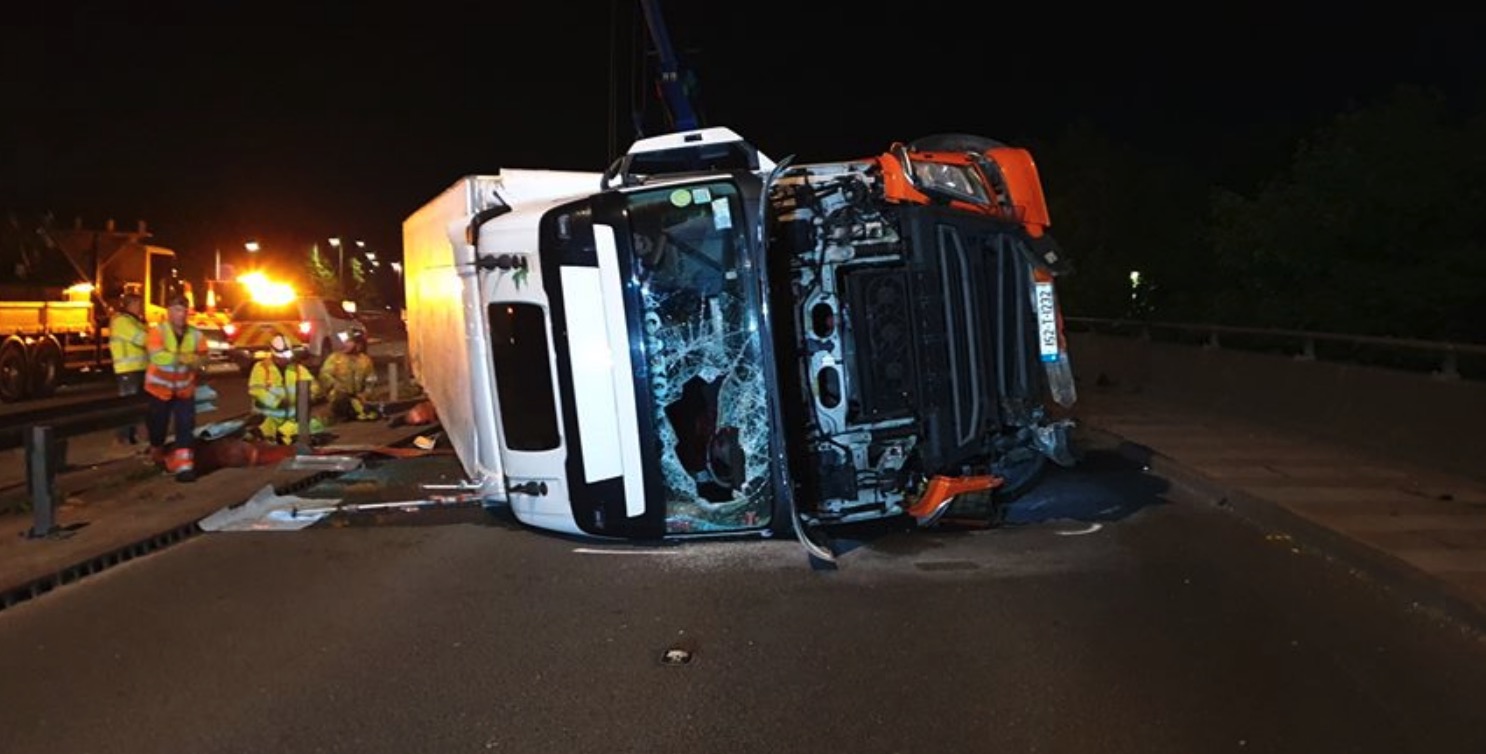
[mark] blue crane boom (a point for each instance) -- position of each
(672, 85)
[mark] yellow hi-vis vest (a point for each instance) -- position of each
(275, 391)
(126, 343)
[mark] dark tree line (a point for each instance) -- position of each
(1376, 226)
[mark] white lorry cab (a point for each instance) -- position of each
(701, 342)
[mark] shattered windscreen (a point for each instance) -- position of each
(702, 346)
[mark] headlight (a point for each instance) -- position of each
(950, 179)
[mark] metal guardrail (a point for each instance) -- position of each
(1447, 351)
(40, 432)
(72, 418)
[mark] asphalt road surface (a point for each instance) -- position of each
(1102, 619)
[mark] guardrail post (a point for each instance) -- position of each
(1308, 350)
(41, 481)
(302, 416)
(1449, 369)
(1212, 340)
(392, 381)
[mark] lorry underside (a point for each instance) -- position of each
(912, 343)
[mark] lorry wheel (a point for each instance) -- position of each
(955, 143)
(13, 371)
(46, 369)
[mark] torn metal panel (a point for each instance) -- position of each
(267, 511)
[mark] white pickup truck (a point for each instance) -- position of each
(312, 325)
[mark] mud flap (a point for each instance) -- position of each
(818, 553)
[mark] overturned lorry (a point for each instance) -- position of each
(701, 342)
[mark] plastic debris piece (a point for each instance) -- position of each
(219, 430)
(206, 399)
(265, 511)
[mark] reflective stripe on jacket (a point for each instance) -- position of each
(275, 390)
(173, 361)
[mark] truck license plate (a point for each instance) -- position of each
(1047, 321)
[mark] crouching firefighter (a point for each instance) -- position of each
(274, 386)
(176, 351)
(347, 378)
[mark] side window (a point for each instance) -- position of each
(521, 353)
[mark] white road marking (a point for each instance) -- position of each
(590, 551)
(1092, 528)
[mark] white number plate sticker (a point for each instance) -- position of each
(1047, 321)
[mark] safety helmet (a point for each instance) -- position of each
(355, 335)
(177, 299)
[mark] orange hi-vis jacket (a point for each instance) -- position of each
(173, 361)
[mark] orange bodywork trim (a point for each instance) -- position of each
(897, 188)
(1025, 187)
(1023, 184)
(942, 491)
(895, 185)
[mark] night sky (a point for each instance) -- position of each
(293, 126)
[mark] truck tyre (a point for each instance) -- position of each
(14, 371)
(46, 369)
(955, 143)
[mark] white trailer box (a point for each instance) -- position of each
(448, 337)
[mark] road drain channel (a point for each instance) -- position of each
(71, 574)
(79, 571)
